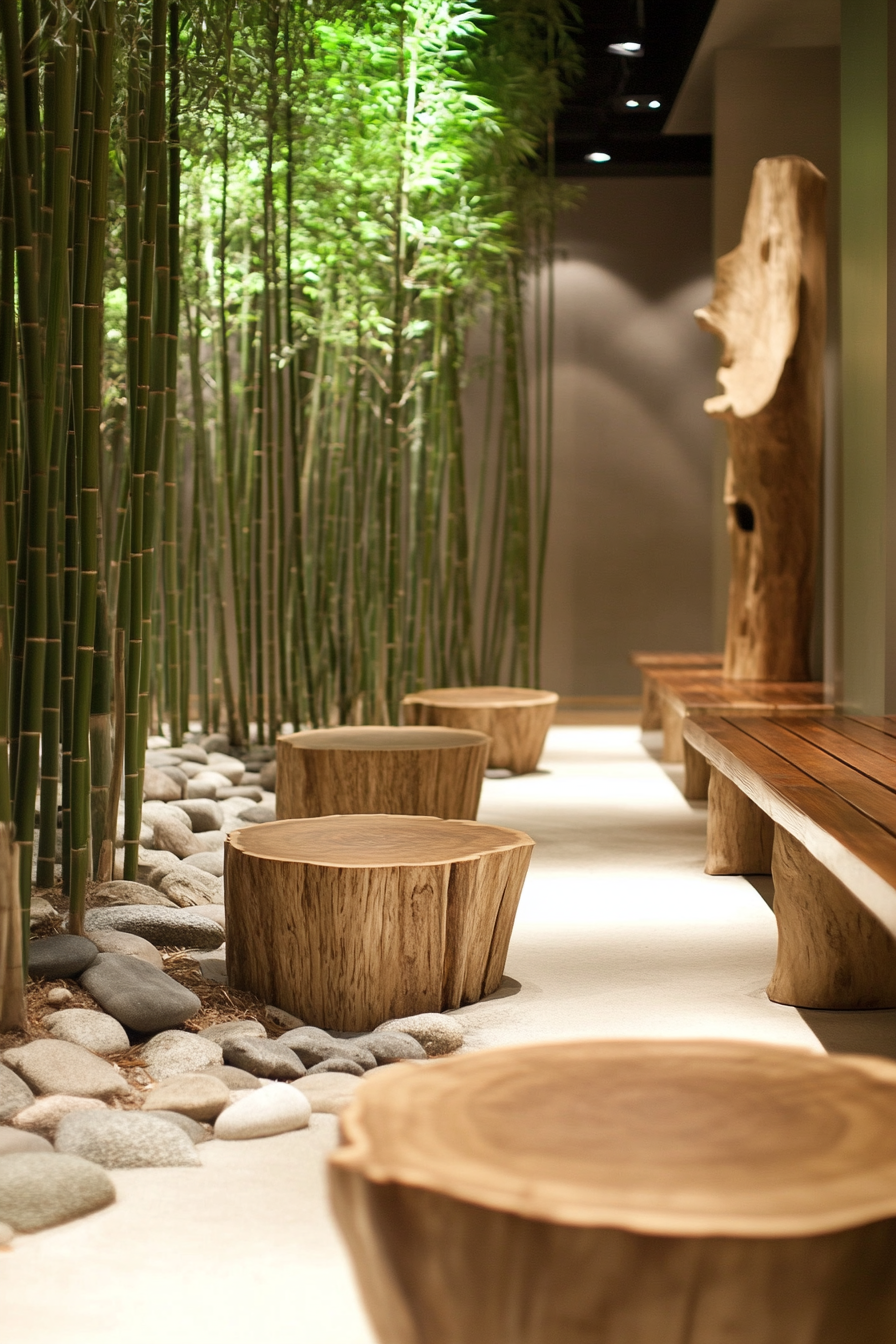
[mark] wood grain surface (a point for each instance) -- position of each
(516, 719)
(739, 835)
(631, 1192)
(435, 772)
(768, 311)
(347, 921)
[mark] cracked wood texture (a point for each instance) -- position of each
(516, 719)
(347, 921)
(627, 1192)
(430, 772)
(768, 311)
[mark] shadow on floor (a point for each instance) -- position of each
(856, 1033)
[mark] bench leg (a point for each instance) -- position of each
(739, 835)
(696, 773)
(673, 738)
(651, 706)
(832, 952)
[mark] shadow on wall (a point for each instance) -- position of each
(629, 552)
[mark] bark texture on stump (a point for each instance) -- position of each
(768, 310)
(428, 772)
(631, 1192)
(347, 921)
(832, 952)
(516, 719)
(739, 835)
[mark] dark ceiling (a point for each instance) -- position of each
(595, 116)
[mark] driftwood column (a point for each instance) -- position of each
(430, 772)
(624, 1192)
(348, 921)
(516, 719)
(768, 310)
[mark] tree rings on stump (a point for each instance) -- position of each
(632, 1192)
(347, 921)
(430, 772)
(516, 719)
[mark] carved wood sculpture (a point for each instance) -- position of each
(627, 1192)
(516, 719)
(347, 921)
(768, 310)
(432, 772)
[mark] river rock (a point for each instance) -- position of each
(158, 786)
(266, 1059)
(137, 994)
(328, 1092)
(240, 1029)
(95, 1031)
(62, 956)
(251, 792)
(271, 1110)
(173, 833)
(208, 861)
(229, 766)
(201, 1096)
(174, 1052)
(208, 779)
(164, 928)
(21, 1141)
(235, 1080)
(155, 865)
(216, 742)
(312, 1050)
(202, 788)
(391, 1047)
(59, 994)
(127, 944)
(194, 1131)
(218, 913)
(338, 1064)
(268, 776)
(128, 893)
(192, 752)
(258, 815)
(116, 1139)
(179, 775)
(15, 1094)
(204, 813)
(41, 912)
(50, 1067)
(437, 1033)
(43, 1189)
(44, 1115)
(283, 1018)
(187, 884)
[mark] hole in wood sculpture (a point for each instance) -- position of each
(743, 516)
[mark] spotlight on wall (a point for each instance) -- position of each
(631, 47)
(598, 157)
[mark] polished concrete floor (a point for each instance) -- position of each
(619, 933)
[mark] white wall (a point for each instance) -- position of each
(629, 563)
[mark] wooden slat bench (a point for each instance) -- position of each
(686, 693)
(651, 709)
(812, 800)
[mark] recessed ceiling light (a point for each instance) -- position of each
(598, 157)
(654, 102)
(626, 49)
(631, 102)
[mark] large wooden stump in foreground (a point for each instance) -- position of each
(516, 719)
(347, 921)
(624, 1192)
(430, 772)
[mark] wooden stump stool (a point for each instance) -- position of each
(348, 921)
(515, 718)
(428, 772)
(624, 1192)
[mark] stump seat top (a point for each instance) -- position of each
(704, 690)
(484, 697)
(683, 1138)
(829, 781)
(374, 841)
(384, 739)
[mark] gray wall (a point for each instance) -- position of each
(629, 562)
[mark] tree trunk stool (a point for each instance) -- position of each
(515, 718)
(347, 921)
(427, 772)
(624, 1192)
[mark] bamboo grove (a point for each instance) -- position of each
(243, 250)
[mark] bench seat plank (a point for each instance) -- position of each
(844, 839)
